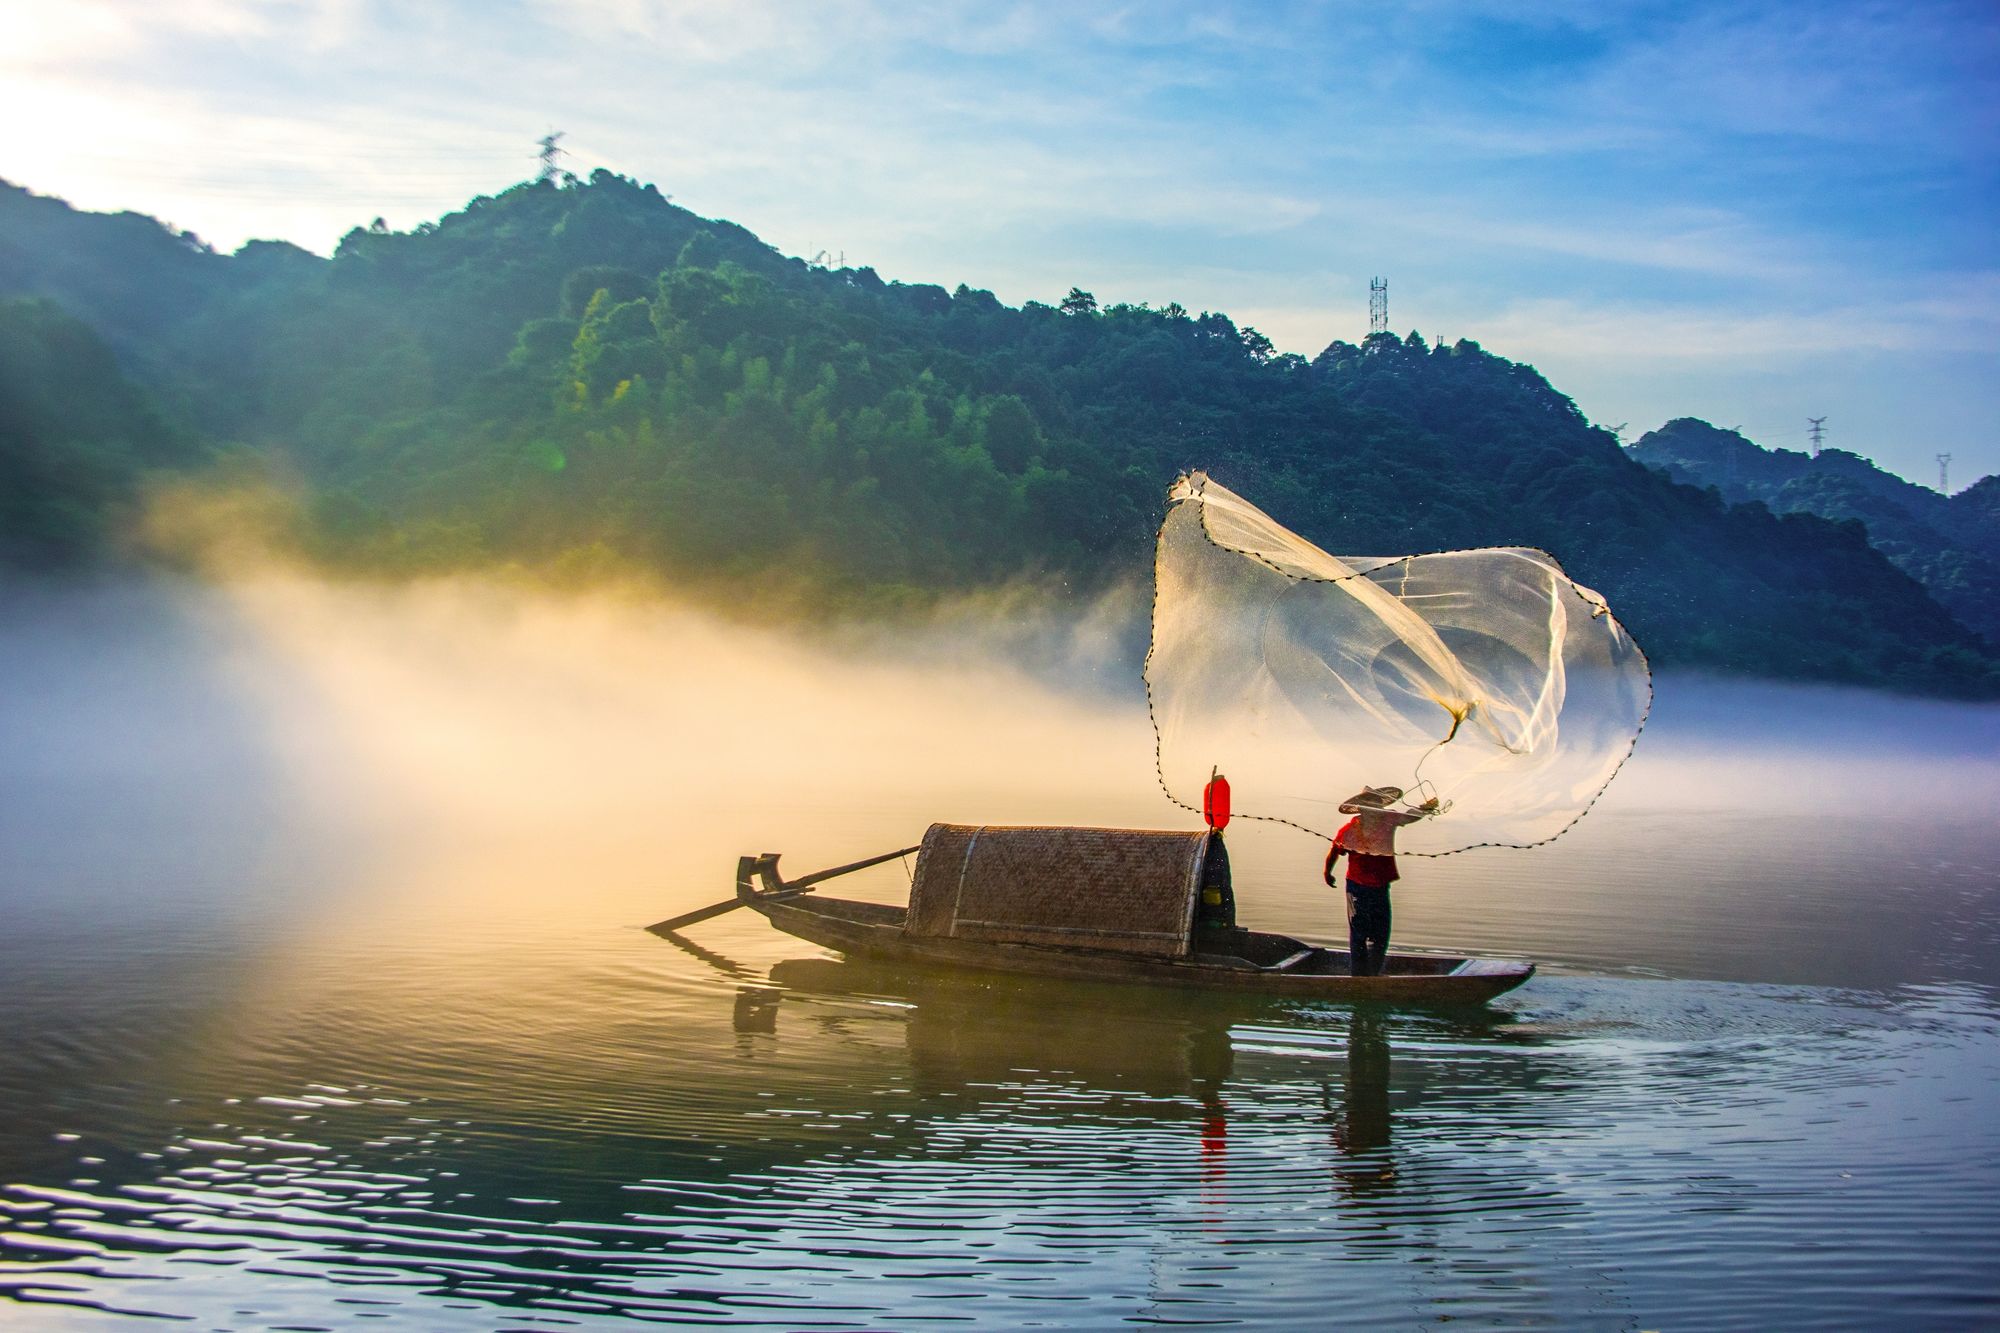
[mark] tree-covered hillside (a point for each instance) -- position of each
(76, 439)
(584, 375)
(1949, 544)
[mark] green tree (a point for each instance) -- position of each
(1078, 302)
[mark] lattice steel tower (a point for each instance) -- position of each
(1944, 473)
(548, 155)
(1816, 427)
(1378, 305)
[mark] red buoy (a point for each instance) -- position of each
(1215, 802)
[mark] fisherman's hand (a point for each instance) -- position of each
(1429, 807)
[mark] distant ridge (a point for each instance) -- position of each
(585, 378)
(1949, 544)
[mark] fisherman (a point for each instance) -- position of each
(1369, 839)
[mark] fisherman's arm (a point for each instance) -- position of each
(1412, 815)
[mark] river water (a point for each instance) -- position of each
(325, 1002)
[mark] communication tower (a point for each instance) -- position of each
(548, 155)
(1378, 305)
(1944, 473)
(1816, 427)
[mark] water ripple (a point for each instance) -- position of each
(828, 1156)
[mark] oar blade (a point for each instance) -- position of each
(672, 924)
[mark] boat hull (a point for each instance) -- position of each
(1294, 969)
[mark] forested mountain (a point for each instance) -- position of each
(584, 376)
(76, 436)
(1949, 544)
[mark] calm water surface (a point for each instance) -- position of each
(324, 999)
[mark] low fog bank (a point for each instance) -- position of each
(1762, 713)
(182, 740)
(466, 691)
(1746, 745)
(275, 735)
(137, 752)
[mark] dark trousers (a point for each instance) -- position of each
(1367, 928)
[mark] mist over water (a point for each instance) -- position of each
(327, 996)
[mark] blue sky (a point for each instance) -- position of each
(1752, 213)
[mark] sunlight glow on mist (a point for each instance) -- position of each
(467, 769)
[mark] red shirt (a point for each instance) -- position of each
(1375, 872)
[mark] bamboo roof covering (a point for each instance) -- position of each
(1128, 890)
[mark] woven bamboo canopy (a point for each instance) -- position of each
(1128, 890)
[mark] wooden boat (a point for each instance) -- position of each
(1091, 904)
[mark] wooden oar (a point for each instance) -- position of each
(786, 888)
(670, 926)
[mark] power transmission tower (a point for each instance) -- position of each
(1816, 427)
(1378, 305)
(548, 155)
(1944, 473)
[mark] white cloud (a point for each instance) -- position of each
(82, 32)
(1687, 240)
(1967, 321)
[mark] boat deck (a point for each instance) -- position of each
(1233, 959)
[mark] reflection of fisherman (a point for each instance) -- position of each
(1369, 839)
(1367, 1123)
(1361, 1134)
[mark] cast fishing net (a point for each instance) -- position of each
(1486, 678)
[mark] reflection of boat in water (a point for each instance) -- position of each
(1056, 1051)
(1096, 905)
(983, 1038)
(961, 1033)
